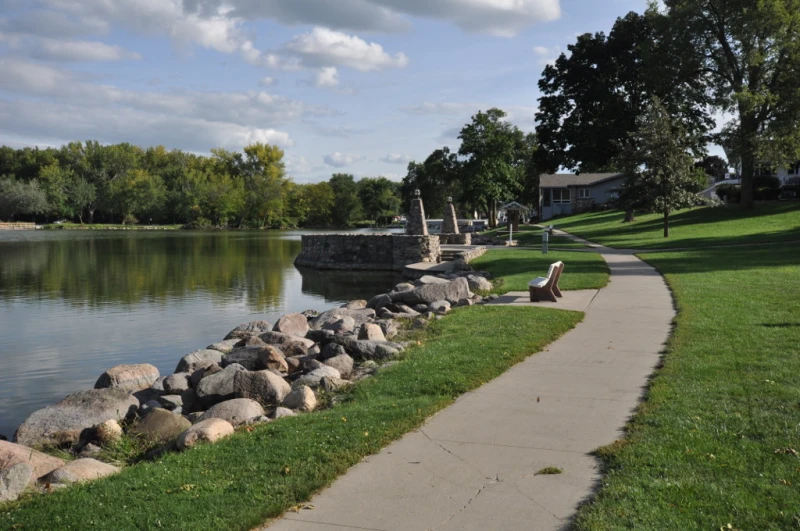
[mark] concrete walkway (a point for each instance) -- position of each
(473, 466)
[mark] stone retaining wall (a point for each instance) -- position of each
(367, 252)
(455, 239)
(17, 226)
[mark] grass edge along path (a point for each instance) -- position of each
(252, 477)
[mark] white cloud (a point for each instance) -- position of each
(340, 160)
(53, 24)
(62, 50)
(340, 131)
(547, 55)
(396, 158)
(297, 164)
(327, 77)
(267, 81)
(321, 47)
(495, 17)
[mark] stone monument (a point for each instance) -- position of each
(450, 222)
(416, 224)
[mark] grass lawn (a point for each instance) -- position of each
(530, 236)
(250, 477)
(512, 269)
(108, 226)
(716, 442)
(697, 227)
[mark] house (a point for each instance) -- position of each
(565, 193)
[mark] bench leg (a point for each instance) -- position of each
(557, 291)
(542, 295)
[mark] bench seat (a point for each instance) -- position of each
(546, 288)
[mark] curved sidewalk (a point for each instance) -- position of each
(473, 466)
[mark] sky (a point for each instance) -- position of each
(354, 86)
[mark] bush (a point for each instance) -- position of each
(730, 191)
(198, 224)
(766, 188)
(130, 219)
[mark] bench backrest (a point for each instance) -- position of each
(559, 270)
(552, 271)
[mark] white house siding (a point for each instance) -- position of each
(601, 192)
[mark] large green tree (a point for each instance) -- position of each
(749, 52)
(436, 179)
(347, 210)
(17, 197)
(379, 199)
(594, 95)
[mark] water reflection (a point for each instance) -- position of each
(75, 303)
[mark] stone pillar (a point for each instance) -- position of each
(450, 222)
(416, 224)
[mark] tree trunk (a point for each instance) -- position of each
(749, 130)
(80, 217)
(629, 216)
(666, 223)
(91, 216)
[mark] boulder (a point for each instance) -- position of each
(331, 384)
(369, 350)
(451, 291)
(379, 301)
(389, 328)
(345, 325)
(331, 350)
(271, 357)
(404, 286)
(464, 302)
(301, 399)
(175, 384)
(158, 385)
(108, 432)
(210, 430)
(199, 360)
(295, 364)
(14, 480)
(331, 316)
(294, 324)
(342, 363)
(421, 308)
(371, 332)
(285, 341)
(440, 307)
(247, 357)
(263, 386)
(225, 345)
(283, 412)
(314, 378)
(428, 279)
(128, 377)
(161, 425)
(254, 328)
(479, 283)
(355, 305)
(79, 471)
(217, 387)
(63, 422)
(236, 411)
(172, 402)
(90, 450)
(41, 464)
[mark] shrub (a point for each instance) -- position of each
(730, 191)
(130, 219)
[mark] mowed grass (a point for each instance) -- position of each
(716, 442)
(699, 227)
(240, 482)
(512, 269)
(531, 236)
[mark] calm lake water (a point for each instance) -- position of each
(75, 303)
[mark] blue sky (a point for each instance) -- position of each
(357, 86)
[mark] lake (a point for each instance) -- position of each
(75, 303)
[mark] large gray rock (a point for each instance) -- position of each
(331, 350)
(285, 341)
(63, 422)
(343, 325)
(295, 324)
(128, 377)
(41, 464)
(331, 316)
(226, 345)
(368, 350)
(270, 357)
(314, 378)
(254, 328)
(246, 357)
(451, 291)
(81, 470)
(371, 332)
(479, 283)
(440, 307)
(199, 360)
(209, 430)
(177, 383)
(389, 328)
(264, 386)
(301, 399)
(355, 305)
(14, 480)
(237, 411)
(428, 279)
(161, 425)
(218, 387)
(379, 301)
(342, 363)
(282, 412)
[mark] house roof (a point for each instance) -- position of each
(564, 180)
(514, 206)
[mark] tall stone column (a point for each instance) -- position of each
(416, 224)
(450, 222)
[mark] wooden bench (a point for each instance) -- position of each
(546, 288)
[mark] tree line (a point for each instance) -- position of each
(123, 183)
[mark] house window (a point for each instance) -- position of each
(584, 193)
(561, 196)
(546, 198)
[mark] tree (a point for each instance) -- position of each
(55, 182)
(21, 198)
(713, 166)
(81, 194)
(491, 169)
(347, 208)
(664, 177)
(749, 53)
(313, 204)
(265, 184)
(593, 97)
(138, 194)
(436, 179)
(379, 199)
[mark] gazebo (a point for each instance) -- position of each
(513, 210)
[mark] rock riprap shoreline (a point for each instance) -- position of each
(260, 372)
